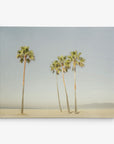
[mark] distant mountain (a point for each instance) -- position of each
(84, 106)
(98, 106)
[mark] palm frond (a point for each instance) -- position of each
(19, 51)
(21, 60)
(81, 64)
(79, 54)
(18, 55)
(81, 59)
(28, 60)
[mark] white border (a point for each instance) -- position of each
(56, 131)
(56, 13)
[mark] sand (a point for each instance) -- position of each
(52, 113)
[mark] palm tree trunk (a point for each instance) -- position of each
(68, 107)
(22, 105)
(75, 89)
(58, 94)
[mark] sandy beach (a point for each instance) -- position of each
(52, 113)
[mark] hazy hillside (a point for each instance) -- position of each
(98, 105)
(85, 106)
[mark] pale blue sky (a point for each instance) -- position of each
(95, 82)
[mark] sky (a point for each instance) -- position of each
(95, 81)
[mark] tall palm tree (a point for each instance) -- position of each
(76, 60)
(65, 65)
(25, 55)
(56, 67)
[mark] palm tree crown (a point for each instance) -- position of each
(56, 67)
(64, 63)
(25, 53)
(76, 59)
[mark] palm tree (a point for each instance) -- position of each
(65, 65)
(56, 67)
(25, 55)
(77, 60)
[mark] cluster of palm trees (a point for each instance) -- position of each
(62, 65)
